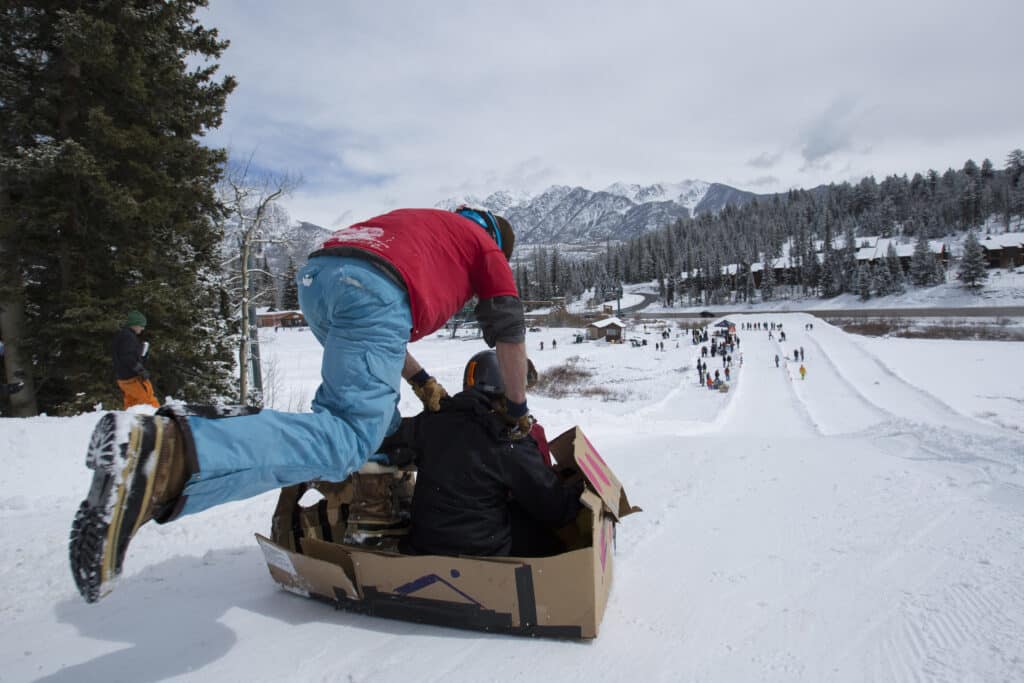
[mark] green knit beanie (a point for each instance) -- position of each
(135, 318)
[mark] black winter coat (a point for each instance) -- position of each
(127, 354)
(468, 469)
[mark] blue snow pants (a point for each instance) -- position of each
(362, 319)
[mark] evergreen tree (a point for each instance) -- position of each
(881, 280)
(864, 282)
(290, 295)
(108, 199)
(922, 263)
(767, 280)
(832, 273)
(939, 275)
(1015, 185)
(973, 268)
(523, 282)
(892, 262)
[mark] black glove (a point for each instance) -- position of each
(144, 374)
(400, 456)
(15, 387)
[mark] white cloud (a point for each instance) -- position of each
(380, 105)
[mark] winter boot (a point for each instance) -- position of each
(381, 500)
(140, 470)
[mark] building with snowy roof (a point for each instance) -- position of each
(610, 329)
(1005, 250)
(874, 249)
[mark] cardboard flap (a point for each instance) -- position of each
(574, 446)
(305, 575)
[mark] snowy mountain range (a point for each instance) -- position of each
(579, 216)
(580, 220)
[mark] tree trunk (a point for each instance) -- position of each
(12, 324)
(243, 347)
(12, 321)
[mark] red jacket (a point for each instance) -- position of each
(443, 258)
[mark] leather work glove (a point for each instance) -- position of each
(519, 418)
(430, 392)
(522, 427)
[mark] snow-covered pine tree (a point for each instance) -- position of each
(1015, 185)
(973, 267)
(290, 292)
(523, 282)
(896, 279)
(922, 263)
(848, 257)
(864, 282)
(767, 279)
(881, 280)
(108, 196)
(939, 276)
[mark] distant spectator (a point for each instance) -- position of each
(128, 353)
(803, 371)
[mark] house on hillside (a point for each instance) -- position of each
(1005, 250)
(277, 319)
(609, 329)
(873, 250)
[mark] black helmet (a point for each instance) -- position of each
(482, 372)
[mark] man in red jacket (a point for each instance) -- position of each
(371, 289)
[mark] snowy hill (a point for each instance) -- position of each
(862, 524)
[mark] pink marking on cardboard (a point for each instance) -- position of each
(590, 475)
(600, 471)
(593, 450)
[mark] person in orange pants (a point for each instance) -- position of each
(138, 391)
(128, 352)
(803, 371)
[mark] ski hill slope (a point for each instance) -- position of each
(861, 524)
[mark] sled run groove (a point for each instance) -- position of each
(768, 404)
(907, 411)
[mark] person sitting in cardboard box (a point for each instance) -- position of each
(478, 491)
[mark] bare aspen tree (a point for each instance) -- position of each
(254, 220)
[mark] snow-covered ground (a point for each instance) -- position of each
(863, 524)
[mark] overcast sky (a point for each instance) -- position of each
(380, 105)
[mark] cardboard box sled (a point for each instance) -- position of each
(562, 596)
